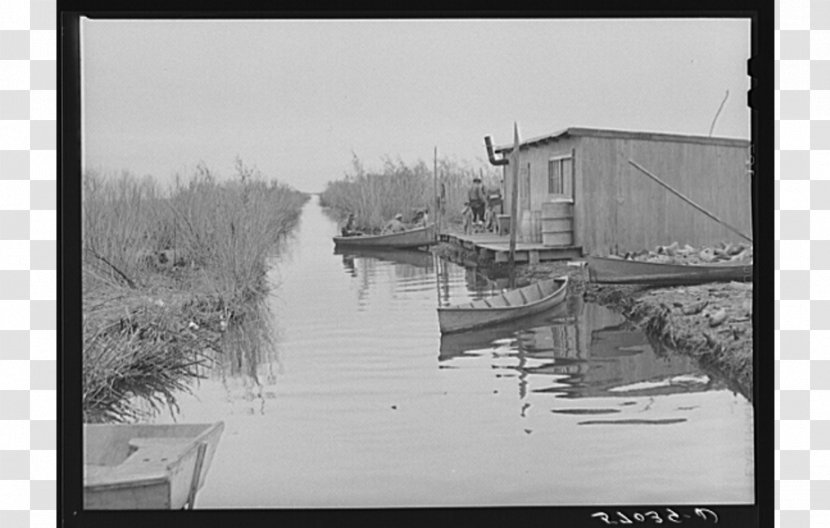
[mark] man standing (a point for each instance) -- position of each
(477, 198)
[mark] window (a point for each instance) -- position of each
(559, 175)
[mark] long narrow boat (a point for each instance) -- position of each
(421, 236)
(129, 467)
(619, 271)
(512, 304)
(457, 343)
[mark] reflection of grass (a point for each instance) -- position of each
(168, 277)
(375, 197)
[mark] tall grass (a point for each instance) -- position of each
(376, 196)
(167, 273)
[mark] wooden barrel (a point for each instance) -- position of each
(558, 222)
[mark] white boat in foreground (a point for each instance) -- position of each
(506, 306)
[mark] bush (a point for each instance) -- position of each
(375, 197)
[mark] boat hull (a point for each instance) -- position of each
(468, 316)
(619, 271)
(146, 466)
(422, 236)
(411, 257)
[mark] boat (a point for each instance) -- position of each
(129, 467)
(412, 257)
(421, 236)
(513, 304)
(620, 271)
(458, 343)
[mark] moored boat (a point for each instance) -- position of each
(129, 467)
(513, 304)
(421, 236)
(621, 271)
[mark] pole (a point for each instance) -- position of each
(688, 201)
(437, 219)
(514, 203)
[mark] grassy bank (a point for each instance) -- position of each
(168, 274)
(375, 196)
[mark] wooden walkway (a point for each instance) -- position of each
(498, 248)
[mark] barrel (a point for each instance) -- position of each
(558, 222)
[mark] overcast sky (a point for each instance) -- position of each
(296, 98)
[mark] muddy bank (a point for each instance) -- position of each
(710, 322)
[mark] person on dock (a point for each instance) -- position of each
(349, 227)
(395, 225)
(477, 198)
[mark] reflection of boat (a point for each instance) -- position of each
(412, 257)
(620, 271)
(457, 343)
(513, 304)
(422, 236)
(146, 466)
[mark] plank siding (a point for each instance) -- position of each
(537, 157)
(619, 209)
(642, 214)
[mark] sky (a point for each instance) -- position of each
(296, 98)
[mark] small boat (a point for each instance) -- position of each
(512, 304)
(129, 467)
(620, 271)
(421, 236)
(458, 343)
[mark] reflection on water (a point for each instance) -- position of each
(367, 405)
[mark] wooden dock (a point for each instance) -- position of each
(495, 247)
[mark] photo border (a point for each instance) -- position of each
(69, 498)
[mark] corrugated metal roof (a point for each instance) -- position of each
(627, 134)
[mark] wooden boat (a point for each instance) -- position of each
(412, 257)
(458, 343)
(513, 304)
(422, 236)
(620, 271)
(129, 467)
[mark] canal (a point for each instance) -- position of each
(359, 402)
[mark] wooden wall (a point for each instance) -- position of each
(620, 209)
(537, 157)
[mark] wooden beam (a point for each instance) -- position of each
(514, 202)
(688, 201)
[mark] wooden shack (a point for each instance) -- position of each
(585, 173)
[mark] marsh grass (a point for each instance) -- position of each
(169, 276)
(376, 196)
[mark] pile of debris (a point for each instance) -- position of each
(725, 253)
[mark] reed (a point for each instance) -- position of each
(376, 196)
(166, 274)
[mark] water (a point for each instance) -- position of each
(363, 404)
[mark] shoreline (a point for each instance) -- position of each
(710, 322)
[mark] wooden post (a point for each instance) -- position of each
(435, 193)
(514, 203)
(687, 200)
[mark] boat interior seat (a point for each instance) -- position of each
(514, 298)
(498, 301)
(533, 293)
(157, 450)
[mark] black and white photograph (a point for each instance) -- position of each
(418, 263)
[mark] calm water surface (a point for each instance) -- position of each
(361, 402)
